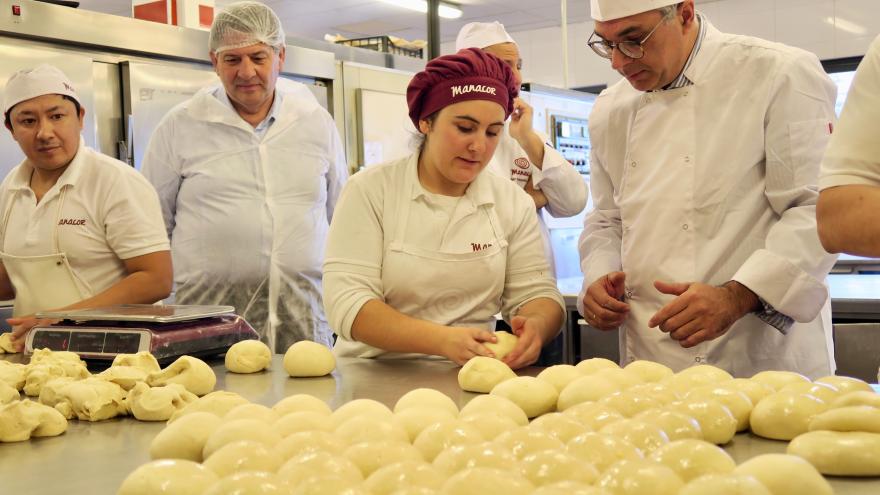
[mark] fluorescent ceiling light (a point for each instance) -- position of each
(447, 11)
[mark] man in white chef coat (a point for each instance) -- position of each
(702, 246)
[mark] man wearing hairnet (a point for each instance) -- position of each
(702, 245)
(248, 173)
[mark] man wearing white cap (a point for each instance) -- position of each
(248, 173)
(79, 229)
(523, 154)
(702, 246)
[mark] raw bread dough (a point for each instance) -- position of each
(506, 343)
(248, 356)
(594, 415)
(369, 429)
(480, 374)
(569, 488)
(705, 374)
(407, 474)
(524, 441)
(660, 392)
(560, 375)
(168, 477)
(640, 477)
(490, 424)
(850, 418)
(629, 404)
(562, 426)
(645, 436)
(738, 403)
(296, 422)
(535, 397)
(23, 419)
(240, 456)
(481, 481)
(248, 483)
(252, 411)
(649, 371)
(857, 399)
(551, 466)
(716, 421)
(309, 441)
(592, 365)
(415, 419)
(836, 453)
(785, 475)
(239, 429)
(217, 403)
(328, 485)
(486, 454)
(7, 393)
(623, 379)
(185, 438)
(495, 404)
(822, 391)
(301, 402)
(846, 384)
(754, 391)
(50, 392)
(91, 399)
(13, 374)
(6, 346)
(307, 465)
(192, 373)
(142, 360)
(157, 403)
(778, 379)
(676, 425)
(124, 376)
(426, 397)
(783, 416)
(725, 484)
(602, 450)
(306, 359)
(360, 407)
(370, 456)
(36, 375)
(440, 436)
(589, 388)
(692, 458)
(49, 356)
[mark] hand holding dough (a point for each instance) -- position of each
(193, 373)
(307, 359)
(248, 356)
(506, 342)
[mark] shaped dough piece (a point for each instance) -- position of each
(440, 436)
(836, 453)
(524, 441)
(594, 415)
(645, 436)
(552, 466)
(716, 421)
(415, 419)
(318, 463)
(592, 365)
(649, 371)
(495, 404)
(480, 481)
(738, 403)
(725, 484)
(535, 397)
(248, 483)
(7, 393)
(569, 488)
(846, 384)
(361, 407)
(857, 399)
(589, 388)
(659, 392)
(562, 426)
(602, 450)
(217, 403)
(402, 475)
(486, 454)
(778, 379)
(248, 356)
(370, 456)
(629, 404)
(506, 342)
(623, 379)
(640, 477)
(754, 390)
(51, 422)
(705, 374)
(328, 485)
(309, 441)
(240, 456)
(426, 397)
(168, 477)
(307, 359)
(480, 374)
(560, 375)
(185, 438)
(822, 391)
(785, 475)
(192, 373)
(296, 422)
(783, 416)
(489, 424)
(851, 418)
(691, 459)
(6, 346)
(239, 429)
(13, 374)
(49, 356)
(157, 403)
(301, 402)
(17, 422)
(91, 399)
(124, 376)
(368, 429)
(252, 411)
(676, 425)
(142, 360)
(38, 375)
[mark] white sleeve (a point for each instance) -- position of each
(561, 183)
(163, 170)
(133, 218)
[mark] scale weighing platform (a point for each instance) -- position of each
(166, 331)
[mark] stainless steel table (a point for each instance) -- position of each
(94, 458)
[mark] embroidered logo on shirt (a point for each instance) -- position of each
(479, 247)
(522, 163)
(472, 88)
(72, 221)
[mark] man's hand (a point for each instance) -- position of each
(528, 348)
(701, 312)
(603, 307)
(22, 325)
(461, 344)
(537, 196)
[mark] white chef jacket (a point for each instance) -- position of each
(109, 214)
(386, 205)
(853, 156)
(248, 214)
(716, 182)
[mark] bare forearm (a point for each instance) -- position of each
(379, 325)
(846, 217)
(547, 310)
(534, 148)
(136, 288)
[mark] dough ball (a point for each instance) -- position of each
(778, 379)
(552, 466)
(589, 388)
(309, 441)
(91, 399)
(480, 481)
(168, 477)
(693, 458)
(725, 484)
(569, 488)
(857, 399)
(415, 419)
(822, 391)
(716, 421)
(648, 371)
(370, 456)
(524, 441)
(426, 397)
(705, 374)
(676, 425)
(306, 358)
(185, 438)
(560, 375)
(495, 404)
(755, 391)
(629, 404)
(328, 485)
(415, 490)
(217, 403)
(506, 342)
(51, 422)
(248, 356)
(623, 379)
(368, 429)
(592, 365)
(535, 397)
(37, 375)
(248, 483)
(846, 384)
(403, 475)
(836, 453)
(143, 360)
(318, 463)
(440, 436)
(361, 408)
(16, 422)
(13, 374)
(564, 427)
(594, 415)
(157, 403)
(192, 373)
(783, 416)
(602, 450)
(240, 456)
(738, 403)
(851, 418)
(258, 412)
(491, 425)
(301, 402)
(6, 346)
(640, 477)
(236, 430)
(7, 393)
(480, 374)
(487, 454)
(124, 376)
(645, 436)
(296, 422)
(660, 393)
(785, 475)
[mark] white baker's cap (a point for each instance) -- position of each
(42, 80)
(481, 35)
(609, 10)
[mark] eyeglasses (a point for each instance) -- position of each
(632, 49)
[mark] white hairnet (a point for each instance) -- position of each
(245, 24)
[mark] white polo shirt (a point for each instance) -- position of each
(109, 213)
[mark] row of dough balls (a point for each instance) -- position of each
(223, 444)
(302, 359)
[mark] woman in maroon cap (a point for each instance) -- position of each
(424, 251)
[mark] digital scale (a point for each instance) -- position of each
(166, 331)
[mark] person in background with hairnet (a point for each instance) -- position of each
(523, 155)
(248, 173)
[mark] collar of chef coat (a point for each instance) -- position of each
(697, 70)
(71, 175)
(478, 193)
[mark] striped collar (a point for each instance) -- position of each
(682, 80)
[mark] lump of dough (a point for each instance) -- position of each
(602, 450)
(296, 422)
(569, 488)
(124, 376)
(645, 436)
(240, 456)
(168, 477)
(857, 399)
(495, 404)
(754, 391)
(361, 407)
(400, 475)
(594, 415)
(783, 416)
(304, 466)
(91, 399)
(142, 360)
(248, 356)
(306, 359)
(480, 481)
(560, 375)
(550, 466)
(368, 429)
(623, 379)
(7, 393)
(440, 436)
(846, 384)
(37, 375)
(185, 438)
(370, 456)
(562, 426)
(649, 371)
(23, 419)
(426, 397)
(705, 374)
(13, 374)
(328, 485)
(676, 425)
(592, 365)
(480, 374)
(252, 411)
(301, 402)
(486, 454)
(851, 418)
(778, 379)
(785, 475)
(157, 403)
(309, 441)
(640, 477)
(836, 453)
(693, 458)
(192, 373)
(725, 484)
(716, 421)
(415, 419)
(629, 404)
(535, 397)
(248, 483)
(50, 356)
(589, 388)
(490, 424)
(239, 429)
(738, 403)
(51, 422)
(217, 403)
(524, 441)
(6, 346)
(823, 391)
(506, 342)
